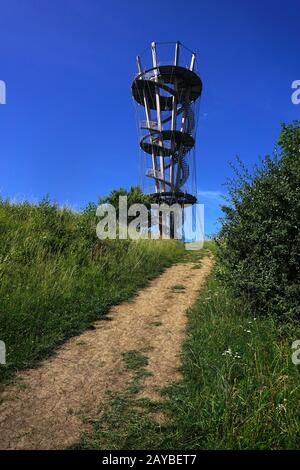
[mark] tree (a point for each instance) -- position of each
(134, 196)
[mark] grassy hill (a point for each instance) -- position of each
(57, 277)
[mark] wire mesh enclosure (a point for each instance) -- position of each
(166, 93)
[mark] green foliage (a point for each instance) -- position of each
(134, 196)
(259, 246)
(57, 277)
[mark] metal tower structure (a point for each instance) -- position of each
(166, 96)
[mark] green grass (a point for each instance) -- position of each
(177, 288)
(240, 389)
(156, 323)
(57, 278)
(196, 266)
(134, 360)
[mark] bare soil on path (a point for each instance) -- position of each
(43, 408)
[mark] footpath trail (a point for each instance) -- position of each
(44, 407)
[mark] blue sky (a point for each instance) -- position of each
(68, 128)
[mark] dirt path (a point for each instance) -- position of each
(43, 409)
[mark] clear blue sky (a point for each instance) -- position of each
(68, 128)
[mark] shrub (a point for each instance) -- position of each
(259, 240)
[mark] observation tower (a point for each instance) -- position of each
(166, 94)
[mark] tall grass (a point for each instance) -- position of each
(56, 277)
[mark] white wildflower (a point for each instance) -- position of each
(228, 352)
(281, 407)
